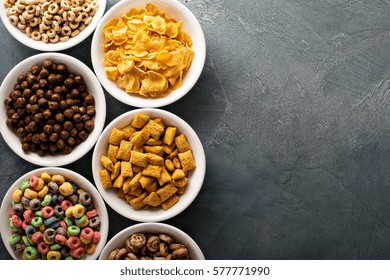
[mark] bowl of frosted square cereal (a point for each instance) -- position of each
(148, 165)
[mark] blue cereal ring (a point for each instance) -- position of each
(30, 230)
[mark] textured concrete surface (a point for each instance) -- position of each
(292, 110)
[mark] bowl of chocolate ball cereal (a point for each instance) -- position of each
(53, 213)
(53, 109)
(51, 25)
(151, 241)
(148, 165)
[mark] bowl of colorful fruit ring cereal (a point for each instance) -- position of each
(151, 241)
(148, 165)
(53, 213)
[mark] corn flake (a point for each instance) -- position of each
(146, 52)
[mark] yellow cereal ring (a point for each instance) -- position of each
(91, 249)
(17, 196)
(54, 255)
(46, 177)
(69, 212)
(58, 179)
(78, 211)
(40, 185)
(30, 194)
(66, 189)
(43, 192)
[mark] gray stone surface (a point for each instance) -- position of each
(292, 110)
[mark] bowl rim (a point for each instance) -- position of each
(152, 227)
(67, 173)
(142, 215)
(196, 67)
(100, 105)
(45, 47)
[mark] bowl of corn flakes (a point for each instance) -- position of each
(148, 54)
(148, 165)
(51, 25)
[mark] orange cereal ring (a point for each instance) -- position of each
(77, 253)
(74, 242)
(96, 237)
(28, 215)
(43, 248)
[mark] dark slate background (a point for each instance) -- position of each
(292, 110)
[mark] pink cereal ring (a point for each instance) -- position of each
(25, 224)
(34, 181)
(16, 221)
(77, 253)
(43, 248)
(60, 239)
(87, 233)
(37, 237)
(63, 224)
(74, 242)
(28, 215)
(66, 204)
(96, 237)
(11, 212)
(91, 214)
(47, 212)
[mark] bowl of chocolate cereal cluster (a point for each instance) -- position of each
(148, 54)
(148, 165)
(51, 25)
(53, 213)
(53, 109)
(151, 241)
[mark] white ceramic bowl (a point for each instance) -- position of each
(69, 175)
(196, 176)
(94, 88)
(179, 236)
(190, 24)
(51, 47)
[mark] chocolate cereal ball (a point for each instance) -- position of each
(50, 109)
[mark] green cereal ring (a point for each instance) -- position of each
(55, 247)
(25, 185)
(11, 225)
(81, 220)
(15, 238)
(69, 258)
(36, 221)
(38, 213)
(46, 200)
(68, 221)
(44, 256)
(74, 230)
(30, 252)
(25, 240)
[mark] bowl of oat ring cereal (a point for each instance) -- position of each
(51, 25)
(53, 109)
(148, 165)
(53, 213)
(151, 241)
